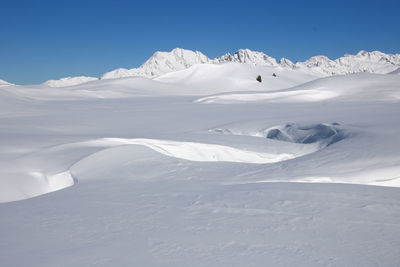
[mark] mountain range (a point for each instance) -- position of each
(179, 59)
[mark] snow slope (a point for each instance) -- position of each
(360, 87)
(203, 166)
(212, 78)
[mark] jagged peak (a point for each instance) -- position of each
(247, 56)
(284, 62)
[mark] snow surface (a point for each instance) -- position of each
(203, 166)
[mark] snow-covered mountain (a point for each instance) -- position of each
(69, 81)
(179, 59)
(161, 63)
(374, 62)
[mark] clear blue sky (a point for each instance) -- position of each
(41, 40)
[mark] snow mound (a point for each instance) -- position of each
(354, 87)
(69, 81)
(322, 133)
(214, 78)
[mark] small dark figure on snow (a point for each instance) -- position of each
(259, 78)
(273, 74)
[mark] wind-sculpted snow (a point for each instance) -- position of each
(50, 167)
(136, 172)
(322, 133)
